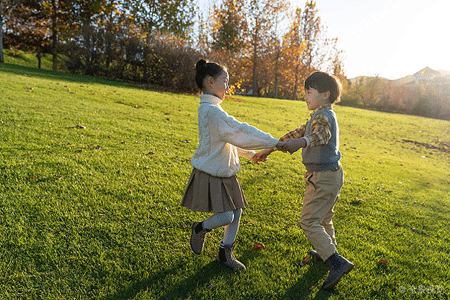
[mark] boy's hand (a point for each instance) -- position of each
(293, 145)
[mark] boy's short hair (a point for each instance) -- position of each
(324, 82)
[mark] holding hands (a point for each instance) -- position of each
(261, 156)
(290, 146)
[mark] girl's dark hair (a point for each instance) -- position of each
(203, 69)
(324, 82)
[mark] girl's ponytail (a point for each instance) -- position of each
(200, 64)
(204, 69)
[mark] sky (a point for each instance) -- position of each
(388, 38)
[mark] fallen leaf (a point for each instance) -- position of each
(259, 246)
(383, 261)
(183, 225)
(211, 285)
(304, 261)
(397, 224)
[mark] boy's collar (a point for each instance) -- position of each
(325, 106)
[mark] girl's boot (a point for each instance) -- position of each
(198, 237)
(227, 258)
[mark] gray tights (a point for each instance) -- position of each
(229, 219)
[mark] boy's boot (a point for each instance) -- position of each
(227, 258)
(315, 255)
(338, 267)
(198, 237)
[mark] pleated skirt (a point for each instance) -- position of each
(206, 193)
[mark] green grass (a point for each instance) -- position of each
(93, 212)
(29, 59)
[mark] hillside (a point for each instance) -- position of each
(427, 73)
(92, 172)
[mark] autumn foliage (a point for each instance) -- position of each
(268, 46)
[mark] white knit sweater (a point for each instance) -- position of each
(223, 138)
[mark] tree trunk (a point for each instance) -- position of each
(255, 57)
(88, 57)
(276, 74)
(54, 37)
(39, 57)
(296, 73)
(1, 33)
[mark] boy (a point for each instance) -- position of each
(324, 176)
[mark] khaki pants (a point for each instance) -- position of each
(322, 193)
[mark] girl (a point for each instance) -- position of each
(213, 185)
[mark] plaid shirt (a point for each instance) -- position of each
(320, 126)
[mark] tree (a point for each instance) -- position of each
(371, 94)
(304, 46)
(306, 49)
(228, 26)
(262, 19)
(174, 16)
(310, 58)
(293, 52)
(83, 17)
(26, 27)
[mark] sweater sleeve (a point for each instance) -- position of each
(248, 154)
(241, 134)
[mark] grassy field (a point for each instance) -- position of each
(19, 57)
(92, 172)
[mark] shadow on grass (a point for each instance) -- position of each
(316, 272)
(182, 290)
